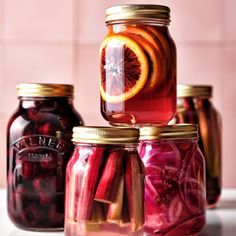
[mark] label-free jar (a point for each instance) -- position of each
(138, 66)
(175, 180)
(38, 148)
(195, 106)
(104, 183)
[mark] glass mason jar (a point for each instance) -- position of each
(138, 66)
(104, 183)
(195, 106)
(39, 146)
(175, 180)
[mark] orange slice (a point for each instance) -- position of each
(151, 38)
(163, 40)
(124, 68)
(154, 62)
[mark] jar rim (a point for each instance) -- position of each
(45, 90)
(105, 135)
(178, 131)
(152, 12)
(187, 90)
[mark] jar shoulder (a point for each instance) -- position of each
(29, 121)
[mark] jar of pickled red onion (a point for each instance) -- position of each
(38, 148)
(195, 106)
(175, 180)
(138, 66)
(104, 183)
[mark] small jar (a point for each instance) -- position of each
(195, 106)
(39, 146)
(138, 66)
(175, 180)
(104, 183)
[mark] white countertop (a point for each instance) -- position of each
(220, 221)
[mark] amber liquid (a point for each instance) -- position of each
(155, 103)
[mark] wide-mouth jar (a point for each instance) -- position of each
(38, 148)
(138, 66)
(104, 183)
(175, 180)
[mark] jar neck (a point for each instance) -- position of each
(121, 25)
(107, 145)
(45, 102)
(173, 140)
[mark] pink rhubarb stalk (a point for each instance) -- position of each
(134, 185)
(111, 175)
(91, 173)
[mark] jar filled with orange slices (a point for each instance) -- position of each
(138, 66)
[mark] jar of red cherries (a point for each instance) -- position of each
(175, 200)
(38, 148)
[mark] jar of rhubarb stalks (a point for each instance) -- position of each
(175, 180)
(104, 183)
(39, 146)
(195, 106)
(138, 66)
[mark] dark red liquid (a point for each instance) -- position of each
(39, 146)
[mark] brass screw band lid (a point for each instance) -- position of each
(184, 90)
(179, 131)
(45, 90)
(105, 135)
(137, 12)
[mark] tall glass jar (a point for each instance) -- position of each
(39, 146)
(138, 66)
(104, 183)
(175, 180)
(195, 106)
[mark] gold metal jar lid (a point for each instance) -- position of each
(137, 12)
(184, 90)
(179, 131)
(105, 135)
(45, 90)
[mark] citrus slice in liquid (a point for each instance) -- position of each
(148, 36)
(154, 76)
(124, 68)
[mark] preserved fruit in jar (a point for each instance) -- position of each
(195, 106)
(175, 180)
(104, 183)
(138, 66)
(39, 146)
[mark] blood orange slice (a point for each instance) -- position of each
(124, 68)
(154, 62)
(148, 36)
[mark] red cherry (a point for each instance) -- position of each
(44, 184)
(33, 114)
(44, 129)
(29, 169)
(45, 199)
(54, 216)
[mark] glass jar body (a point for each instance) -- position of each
(39, 146)
(202, 112)
(102, 182)
(138, 74)
(174, 186)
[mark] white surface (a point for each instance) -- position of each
(220, 221)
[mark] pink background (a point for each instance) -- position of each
(57, 41)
